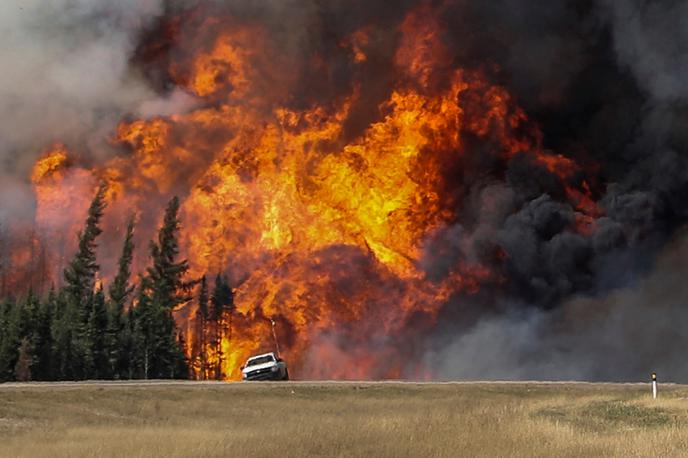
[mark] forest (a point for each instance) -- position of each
(85, 330)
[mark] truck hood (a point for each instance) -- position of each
(258, 366)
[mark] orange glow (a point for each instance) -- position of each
(357, 43)
(319, 231)
(62, 191)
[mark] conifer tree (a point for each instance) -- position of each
(202, 321)
(144, 341)
(130, 349)
(77, 333)
(97, 326)
(37, 318)
(180, 363)
(9, 339)
(4, 331)
(4, 261)
(19, 323)
(80, 274)
(80, 277)
(28, 312)
(118, 337)
(63, 355)
(22, 369)
(153, 330)
(168, 288)
(222, 306)
(158, 349)
(120, 290)
(43, 339)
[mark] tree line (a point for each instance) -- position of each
(84, 331)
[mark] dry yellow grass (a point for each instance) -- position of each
(295, 419)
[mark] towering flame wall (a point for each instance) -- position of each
(358, 213)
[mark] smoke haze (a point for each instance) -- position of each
(66, 76)
(620, 336)
(604, 81)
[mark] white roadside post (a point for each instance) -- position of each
(654, 386)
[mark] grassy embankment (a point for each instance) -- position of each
(296, 419)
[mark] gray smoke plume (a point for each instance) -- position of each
(622, 335)
(651, 39)
(607, 83)
(66, 76)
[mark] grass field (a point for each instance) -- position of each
(348, 419)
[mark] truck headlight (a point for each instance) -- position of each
(274, 368)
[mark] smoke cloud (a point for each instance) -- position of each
(651, 40)
(607, 84)
(620, 336)
(604, 81)
(67, 76)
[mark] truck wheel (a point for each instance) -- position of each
(286, 375)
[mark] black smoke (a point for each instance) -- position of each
(603, 80)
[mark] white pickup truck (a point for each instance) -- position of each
(265, 367)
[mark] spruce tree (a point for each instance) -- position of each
(201, 328)
(4, 260)
(129, 346)
(149, 329)
(158, 347)
(80, 277)
(120, 289)
(64, 362)
(28, 312)
(43, 339)
(19, 323)
(97, 327)
(80, 274)
(10, 338)
(25, 360)
(4, 331)
(167, 274)
(222, 306)
(118, 340)
(37, 318)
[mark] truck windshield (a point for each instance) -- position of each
(261, 360)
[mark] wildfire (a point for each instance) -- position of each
(62, 191)
(322, 234)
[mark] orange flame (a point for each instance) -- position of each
(320, 233)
